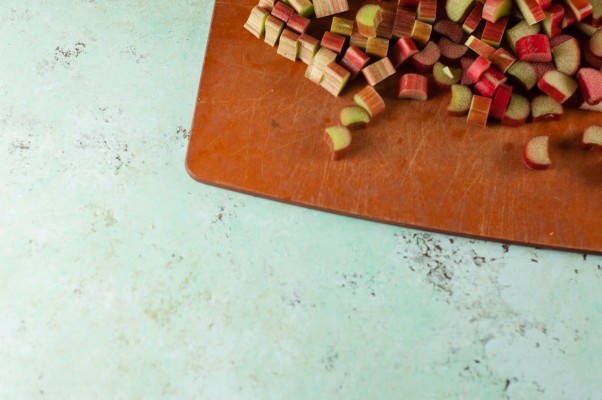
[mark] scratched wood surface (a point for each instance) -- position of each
(258, 128)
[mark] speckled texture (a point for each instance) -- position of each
(123, 278)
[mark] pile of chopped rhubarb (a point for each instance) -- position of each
(509, 61)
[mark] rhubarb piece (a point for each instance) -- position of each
(552, 23)
(522, 74)
(367, 19)
(451, 52)
(500, 101)
(342, 26)
(354, 60)
(457, 9)
(590, 85)
(298, 23)
(493, 10)
(314, 73)
(502, 59)
(335, 78)
(324, 57)
(489, 82)
(517, 112)
(324, 8)
(479, 47)
(305, 8)
(544, 4)
(378, 71)
(421, 32)
(446, 76)
(413, 87)
(567, 56)
(377, 46)
(493, 33)
(308, 47)
(427, 11)
(479, 110)
(520, 30)
(474, 19)
(288, 46)
(544, 108)
(459, 104)
(425, 59)
(273, 29)
(581, 8)
(595, 44)
(541, 68)
(358, 40)
(592, 138)
(282, 12)
(535, 153)
(596, 12)
(369, 99)
(333, 42)
(449, 29)
(569, 17)
(531, 11)
(586, 27)
(338, 139)
(256, 21)
(354, 117)
(534, 48)
(557, 85)
(404, 21)
(465, 64)
(385, 28)
(403, 49)
(478, 68)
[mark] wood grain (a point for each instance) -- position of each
(258, 128)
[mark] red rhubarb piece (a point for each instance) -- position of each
(354, 60)
(479, 110)
(478, 68)
(449, 29)
(557, 85)
(333, 42)
(590, 85)
(282, 11)
(535, 153)
(451, 52)
(500, 102)
(534, 48)
(489, 82)
(413, 86)
(403, 49)
(425, 59)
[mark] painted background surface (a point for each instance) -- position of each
(122, 278)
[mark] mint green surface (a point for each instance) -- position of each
(122, 278)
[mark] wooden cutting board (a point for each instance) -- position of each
(259, 124)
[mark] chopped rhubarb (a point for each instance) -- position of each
(569, 17)
(427, 57)
(256, 21)
(427, 11)
(465, 64)
(273, 29)
(308, 47)
(531, 11)
(338, 139)
(342, 26)
(324, 8)
(567, 56)
(592, 138)
(304, 8)
(385, 28)
(333, 42)
(449, 29)
(298, 23)
(521, 29)
(324, 57)
(493, 10)
(474, 19)
(282, 12)
(421, 32)
(489, 82)
(414, 87)
(522, 74)
(267, 5)
(517, 112)
(581, 8)
(354, 117)
(502, 59)
(535, 153)
(354, 60)
(590, 85)
(591, 59)
(451, 52)
(500, 101)
(457, 10)
(335, 78)
(446, 76)
(479, 110)
(479, 47)
(596, 12)
(378, 71)
(367, 19)
(541, 68)
(377, 46)
(493, 33)
(369, 99)
(403, 49)
(404, 21)
(544, 108)
(459, 104)
(358, 40)
(288, 46)
(534, 48)
(478, 68)
(552, 23)
(557, 85)
(595, 44)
